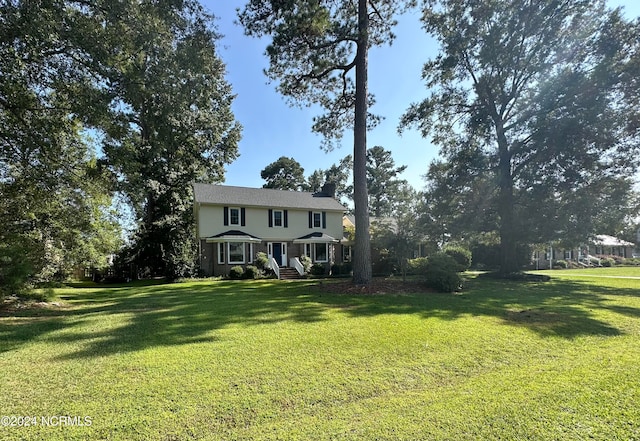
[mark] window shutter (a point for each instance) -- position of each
(324, 219)
(243, 222)
(286, 218)
(311, 219)
(270, 218)
(226, 215)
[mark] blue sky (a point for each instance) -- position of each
(272, 129)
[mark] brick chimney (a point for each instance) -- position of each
(329, 190)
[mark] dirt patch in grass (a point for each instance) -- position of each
(539, 316)
(378, 286)
(12, 304)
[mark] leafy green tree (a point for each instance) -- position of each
(284, 174)
(544, 93)
(382, 182)
(54, 194)
(316, 47)
(397, 237)
(316, 180)
(459, 199)
(338, 174)
(174, 124)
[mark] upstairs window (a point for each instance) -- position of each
(277, 218)
(317, 219)
(234, 216)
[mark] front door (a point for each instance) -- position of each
(279, 253)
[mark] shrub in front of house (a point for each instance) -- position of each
(261, 261)
(306, 263)
(619, 260)
(607, 262)
(317, 269)
(236, 272)
(461, 255)
(252, 272)
(561, 264)
(442, 273)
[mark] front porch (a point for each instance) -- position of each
(219, 253)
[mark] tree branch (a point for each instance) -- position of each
(317, 76)
(375, 10)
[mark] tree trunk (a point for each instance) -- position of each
(508, 237)
(362, 274)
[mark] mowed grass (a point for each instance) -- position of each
(275, 360)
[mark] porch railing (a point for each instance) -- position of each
(295, 263)
(274, 266)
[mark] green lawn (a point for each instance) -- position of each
(275, 360)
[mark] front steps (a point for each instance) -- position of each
(289, 274)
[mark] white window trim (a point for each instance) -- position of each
(250, 259)
(244, 254)
(273, 220)
(313, 219)
(221, 253)
(326, 245)
(239, 216)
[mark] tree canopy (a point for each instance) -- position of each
(383, 183)
(284, 174)
(533, 106)
(172, 123)
(96, 97)
(54, 193)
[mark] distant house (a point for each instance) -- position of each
(590, 253)
(233, 224)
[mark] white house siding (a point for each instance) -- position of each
(211, 223)
(210, 220)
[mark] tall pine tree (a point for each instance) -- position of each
(319, 54)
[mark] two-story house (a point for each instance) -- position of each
(235, 223)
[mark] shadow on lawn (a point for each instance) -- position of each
(560, 308)
(159, 315)
(168, 315)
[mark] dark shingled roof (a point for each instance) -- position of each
(263, 197)
(315, 237)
